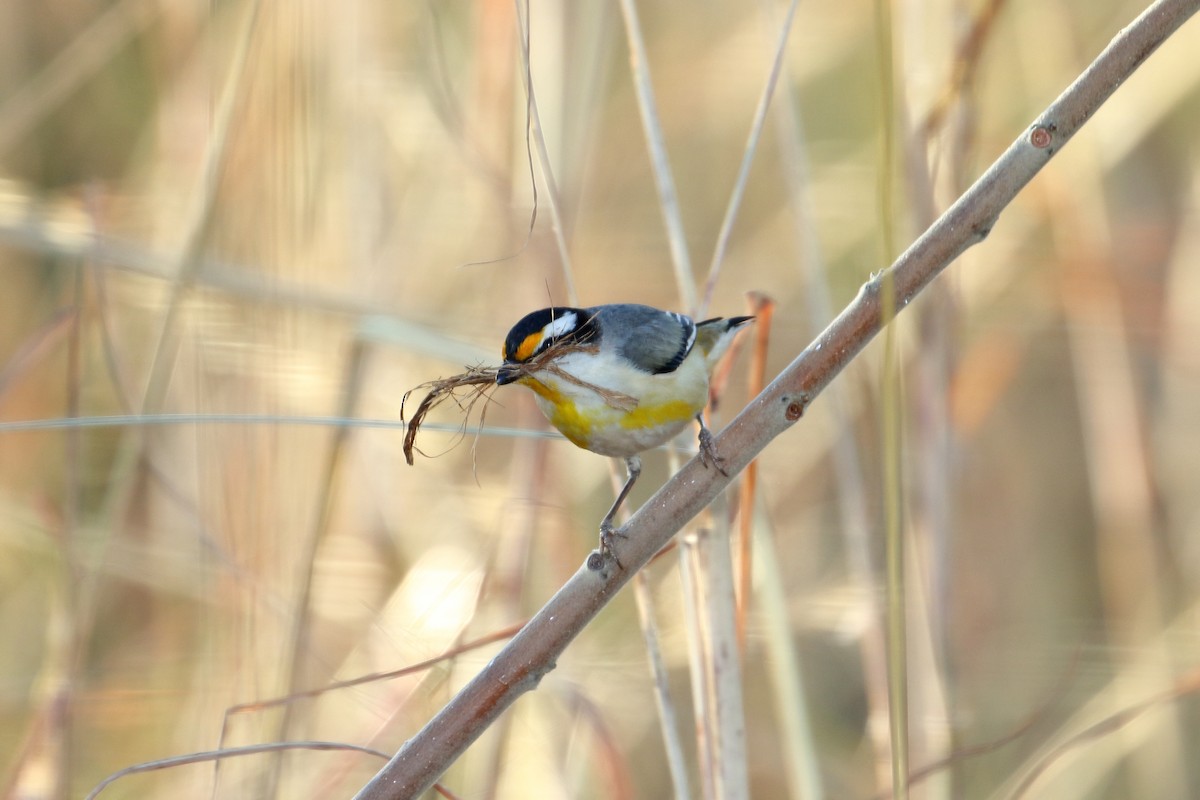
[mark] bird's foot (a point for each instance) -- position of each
(708, 452)
(607, 535)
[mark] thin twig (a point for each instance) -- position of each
(1189, 684)
(231, 752)
(275, 702)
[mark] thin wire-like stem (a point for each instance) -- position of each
(535, 130)
(748, 152)
(802, 765)
(660, 163)
(667, 719)
(231, 752)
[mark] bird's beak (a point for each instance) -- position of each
(507, 374)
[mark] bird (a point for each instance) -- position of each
(621, 379)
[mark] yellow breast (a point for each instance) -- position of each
(665, 404)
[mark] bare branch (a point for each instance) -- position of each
(532, 653)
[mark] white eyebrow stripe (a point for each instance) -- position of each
(560, 325)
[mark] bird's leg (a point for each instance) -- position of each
(708, 449)
(633, 466)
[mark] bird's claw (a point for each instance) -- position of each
(708, 452)
(607, 534)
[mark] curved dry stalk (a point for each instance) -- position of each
(229, 752)
(478, 380)
(533, 652)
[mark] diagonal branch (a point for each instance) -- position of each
(532, 653)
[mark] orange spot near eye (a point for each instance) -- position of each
(525, 351)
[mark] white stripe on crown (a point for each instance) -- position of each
(560, 326)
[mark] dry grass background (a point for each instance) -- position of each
(293, 212)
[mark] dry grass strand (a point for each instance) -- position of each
(479, 380)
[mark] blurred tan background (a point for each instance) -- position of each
(276, 218)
